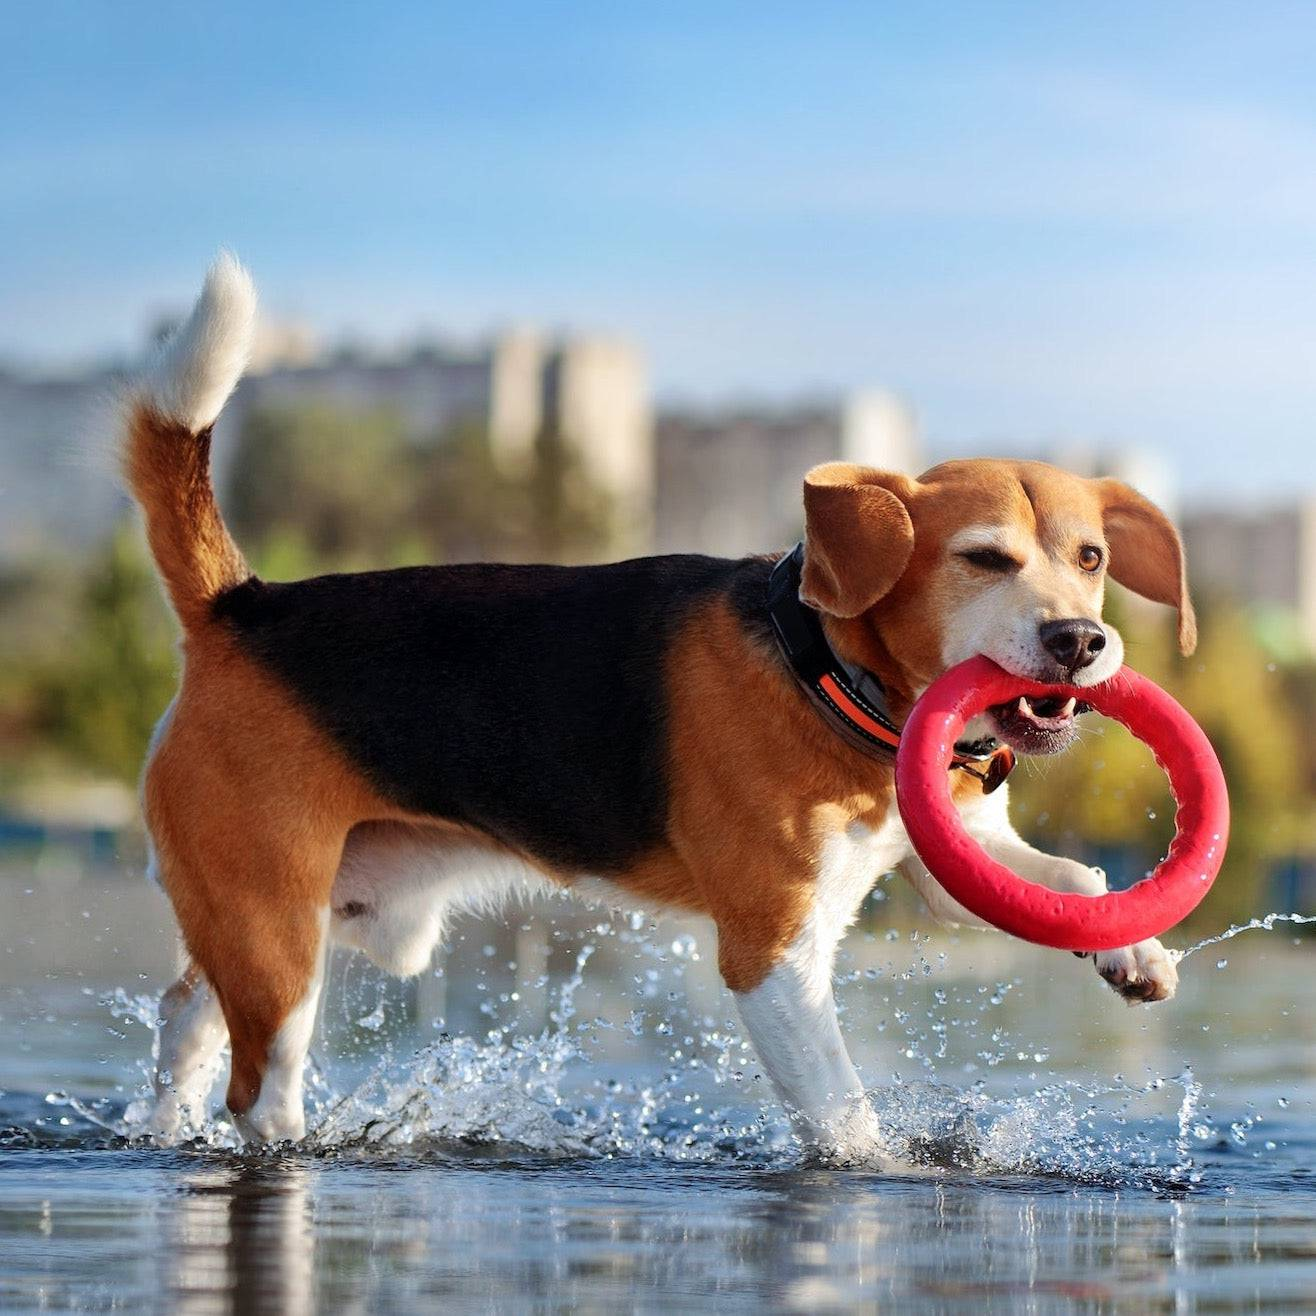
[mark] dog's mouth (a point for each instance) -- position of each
(1033, 725)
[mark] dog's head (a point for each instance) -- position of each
(1002, 558)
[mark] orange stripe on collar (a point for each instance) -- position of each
(856, 714)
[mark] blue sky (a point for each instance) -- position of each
(1043, 221)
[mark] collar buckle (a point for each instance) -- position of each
(998, 767)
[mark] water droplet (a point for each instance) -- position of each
(374, 1020)
(683, 947)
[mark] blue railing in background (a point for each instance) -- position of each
(28, 838)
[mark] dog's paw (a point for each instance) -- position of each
(1140, 973)
(853, 1139)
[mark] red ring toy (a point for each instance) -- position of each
(1023, 908)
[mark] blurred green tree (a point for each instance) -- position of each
(98, 701)
(471, 507)
(318, 487)
(314, 488)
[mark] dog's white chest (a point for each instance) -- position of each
(850, 863)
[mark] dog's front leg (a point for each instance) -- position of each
(1141, 972)
(791, 1018)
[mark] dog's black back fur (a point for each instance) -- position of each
(526, 701)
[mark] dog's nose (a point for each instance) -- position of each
(1074, 642)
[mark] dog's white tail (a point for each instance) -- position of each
(166, 444)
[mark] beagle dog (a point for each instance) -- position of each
(353, 758)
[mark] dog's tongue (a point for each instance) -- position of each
(1048, 714)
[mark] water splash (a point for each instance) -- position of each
(1189, 1125)
(1109, 1134)
(548, 1093)
(1264, 924)
(542, 1094)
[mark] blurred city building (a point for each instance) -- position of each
(590, 393)
(598, 399)
(54, 493)
(1263, 557)
(729, 483)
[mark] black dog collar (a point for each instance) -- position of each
(851, 698)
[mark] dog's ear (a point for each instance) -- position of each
(1146, 554)
(858, 537)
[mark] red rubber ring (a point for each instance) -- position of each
(1025, 909)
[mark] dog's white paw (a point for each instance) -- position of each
(1139, 973)
(852, 1139)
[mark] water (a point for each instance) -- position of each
(586, 1129)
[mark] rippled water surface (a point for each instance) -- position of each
(566, 1116)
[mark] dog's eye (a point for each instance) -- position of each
(1090, 557)
(990, 559)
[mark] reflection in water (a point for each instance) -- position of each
(240, 1238)
(292, 1237)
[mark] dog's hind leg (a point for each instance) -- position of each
(191, 1036)
(252, 900)
(267, 977)
(265, 1090)
(249, 806)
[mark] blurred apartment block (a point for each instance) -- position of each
(57, 487)
(729, 483)
(53, 492)
(1266, 558)
(713, 481)
(591, 393)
